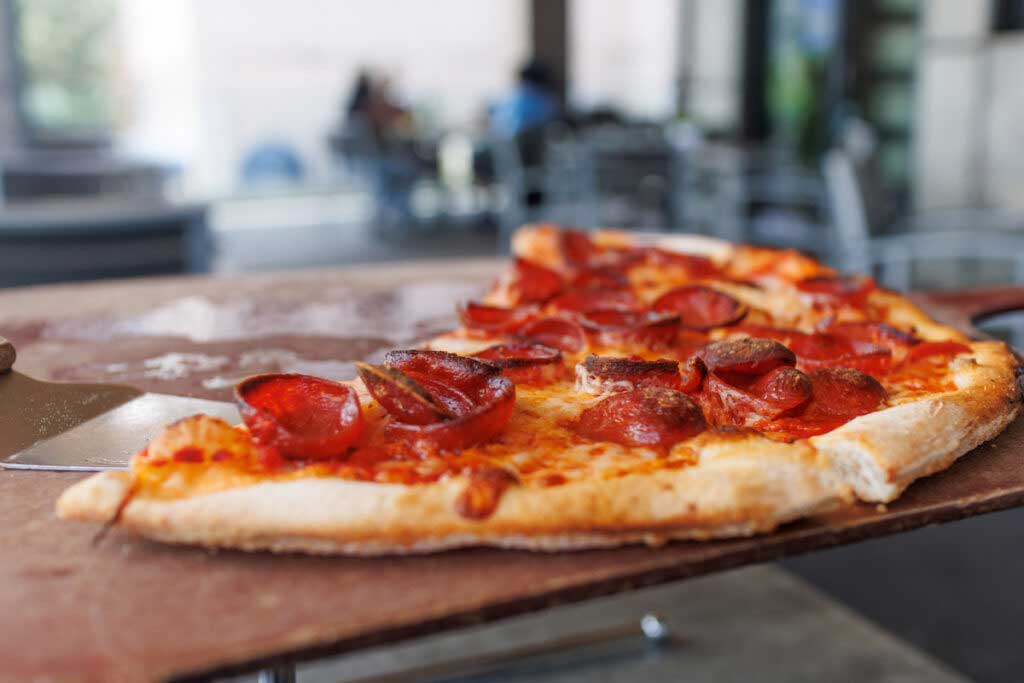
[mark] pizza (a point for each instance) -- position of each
(610, 388)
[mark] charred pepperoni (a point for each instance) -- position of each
(402, 396)
(748, 356)
(649, 416)
(701, 308)
(525, 362)
(584, 300)
(479, 397)
(604, 374)
(743, 401)
(839, 395)
(300, 416)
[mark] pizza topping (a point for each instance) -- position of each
(525, 362)
(692, 374)
(649, 328)
(824, 350)
(300, 416)
(558, 333)
(743, 401)
(851, 289)
(533, 283)
(480, 399)
(648, 416)
(945, 349)
(483, 492)
(584, 300)
(839, 395)
(748, 356)
(402, 396)
(867, 336)
(577, 247)
(605, 374)
(600, 277)
(701, 308)
(494, 319)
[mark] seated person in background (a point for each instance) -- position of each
(531, 104)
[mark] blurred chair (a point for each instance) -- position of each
(47, 242)
(937, 249)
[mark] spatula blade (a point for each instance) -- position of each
(109, 441)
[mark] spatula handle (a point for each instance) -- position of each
(7, 355)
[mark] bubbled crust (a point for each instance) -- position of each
(881, 453)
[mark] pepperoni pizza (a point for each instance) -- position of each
(611, 388)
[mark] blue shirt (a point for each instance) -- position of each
(526, 107)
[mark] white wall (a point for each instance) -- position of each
(211, 78)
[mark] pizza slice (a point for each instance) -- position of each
(611, 388)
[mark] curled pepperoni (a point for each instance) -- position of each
(649, 416)
(601, 374)
(748, 356)
(476, 393)
(558, 333)
(402, 396)
(494, 319)
(945, 349)
(692, 374)
(302, 417)
(865, 336)
(533, 283)
(649, 328)
(839, 395)
(701, 308)
(525, 363)
(583, 300)
(742, 401)
(851, 289)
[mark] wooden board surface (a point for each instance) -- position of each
(131, 610)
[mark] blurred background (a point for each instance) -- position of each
(150, 136)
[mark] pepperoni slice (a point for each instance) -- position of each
(649, 328)
(558, 333)
(692, 374)
(583, 300)
(494, 319)
(649, 416)
(402, 396)
(577, 247)
(851, 289)
(701, 308)
(696, 267)
(824, 350)
(534, 283)
(302, 417)
(748, 356)
(480, 398)
(867, 335)
(600, 277)
(839, 395)
(603, 374)
(525, 362)
(742, 401)
(946, 349)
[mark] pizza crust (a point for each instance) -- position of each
(881, 453)
(742, 486)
